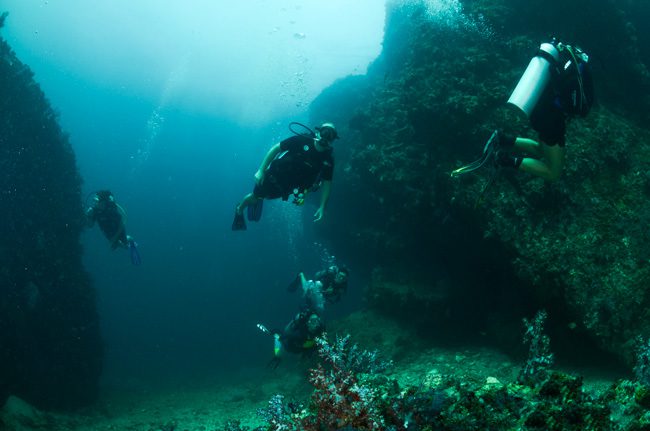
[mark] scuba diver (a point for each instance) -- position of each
(556, 87)
(332, 283)
(297, 337)
(312, 292)
(111, 219)
(293, 167)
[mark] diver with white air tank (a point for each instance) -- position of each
(555, 87)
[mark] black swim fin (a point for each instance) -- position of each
(488, 152)
(255, 210)
(239, 223)
(295, 284)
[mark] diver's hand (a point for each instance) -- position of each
(318, 215)
(259, 177)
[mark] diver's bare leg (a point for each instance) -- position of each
(529, 146)
(303, 282)
(248, 200)
(550, 168)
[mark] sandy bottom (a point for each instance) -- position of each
(192, 409)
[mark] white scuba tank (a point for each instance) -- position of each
(535, 79)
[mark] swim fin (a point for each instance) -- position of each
(135, 254)
(239, 223)
(488, 152)
(255, 210)
(295, 284)
(494, 171)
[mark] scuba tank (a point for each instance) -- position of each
(535, 79)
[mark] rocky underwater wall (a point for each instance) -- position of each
(51, 350)
(453, 256)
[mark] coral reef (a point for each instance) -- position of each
(642, 367)
(346, 392)
(540, 357)
(49, 330)
(347, 400)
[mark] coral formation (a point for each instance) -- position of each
(346, 392)
(540, 357)
(346, 400)
(49, 329)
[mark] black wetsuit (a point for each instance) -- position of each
(107, 215)
(299, 166)
(548, 119)
(296, 337)
(565, 96)
(331, 290)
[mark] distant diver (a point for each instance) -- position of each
(294, 167)
(111, 219)
(297, 337)
(556, 87)
(332, 283)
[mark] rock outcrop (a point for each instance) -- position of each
(49, 330)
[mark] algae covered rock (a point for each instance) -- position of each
(17, 415)
(49, 330)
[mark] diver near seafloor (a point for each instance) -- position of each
(111, 219)
(556, 87)
(294, 167)
(298, 336)
(332, 283)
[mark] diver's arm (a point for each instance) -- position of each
(326, 188)
(274, 151)
(303, 280)
(122, 213)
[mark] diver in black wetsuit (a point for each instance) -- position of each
(111, 220)
(556, 87)
(332, 282)
(298, 336)
(300, 333)
(292, 167)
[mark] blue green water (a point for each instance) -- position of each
(172, 108)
